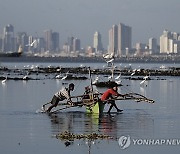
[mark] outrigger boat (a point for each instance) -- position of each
(92, 101)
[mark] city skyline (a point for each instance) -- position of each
(82, 18)
(120, 42)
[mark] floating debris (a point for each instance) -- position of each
(105, 84)
(71, 136)
(80, 73)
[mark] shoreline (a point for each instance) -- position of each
(85, 60)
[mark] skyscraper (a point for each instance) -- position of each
(70, 43)
(164, 42)
(22, 39)
(97, 43)
(76, 44)
(48, 40)
(55, 41)
(169, 42)
(40, 44)
(153, 45)
(120, 39)
(8, 38)
(124, 39)
(1, 40)
(113, 39)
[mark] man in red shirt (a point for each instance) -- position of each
(109, 94)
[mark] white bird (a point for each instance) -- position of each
(25, 77)
(32, 44)
(65, 76)
(81, 65)
(4, 81)
(134, 72)
(32, 67)
(96, 80)
(58, 76)
(110, 77)
(118, 82)
(58, 70)
(118, 76)
(142, 82)
(146, 77)
(110, 61)
(49, 66)
(108, 56)
(139, 70)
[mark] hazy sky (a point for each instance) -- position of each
(81, 18)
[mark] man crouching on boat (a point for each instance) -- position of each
(61, 95)
(109, 94)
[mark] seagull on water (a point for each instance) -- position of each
(134, 72)
(110, 61)
(58, 76)
(145, 79)
(25, 77)
(96, 80)
(118, 76)
(4, 81)
(65, 76)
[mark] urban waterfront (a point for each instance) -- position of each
(24, 130)
(132, 46)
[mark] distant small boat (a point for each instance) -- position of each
(12, 54)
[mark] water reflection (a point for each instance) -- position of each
(131, 122)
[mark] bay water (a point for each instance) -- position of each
(24, 130)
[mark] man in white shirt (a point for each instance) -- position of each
(61, 95)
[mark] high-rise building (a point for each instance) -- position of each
(124, 39)
(66, 48)
(22, 39)
(70, 43)
(120, 39)
(55, 41)
(140, 48)
(97, 43)
(76, 44)
(8, 43)
(40, 44)
(153, 46)
(113, 39)
(1, 44)
(169, 42)
(48, 40)
(164, 42)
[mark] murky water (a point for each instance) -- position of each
(22, 130)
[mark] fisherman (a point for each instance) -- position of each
(61, 95)
(109, 94)
(87, 92)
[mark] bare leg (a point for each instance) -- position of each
(110, 108)
(54, 103)
(114, 104)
